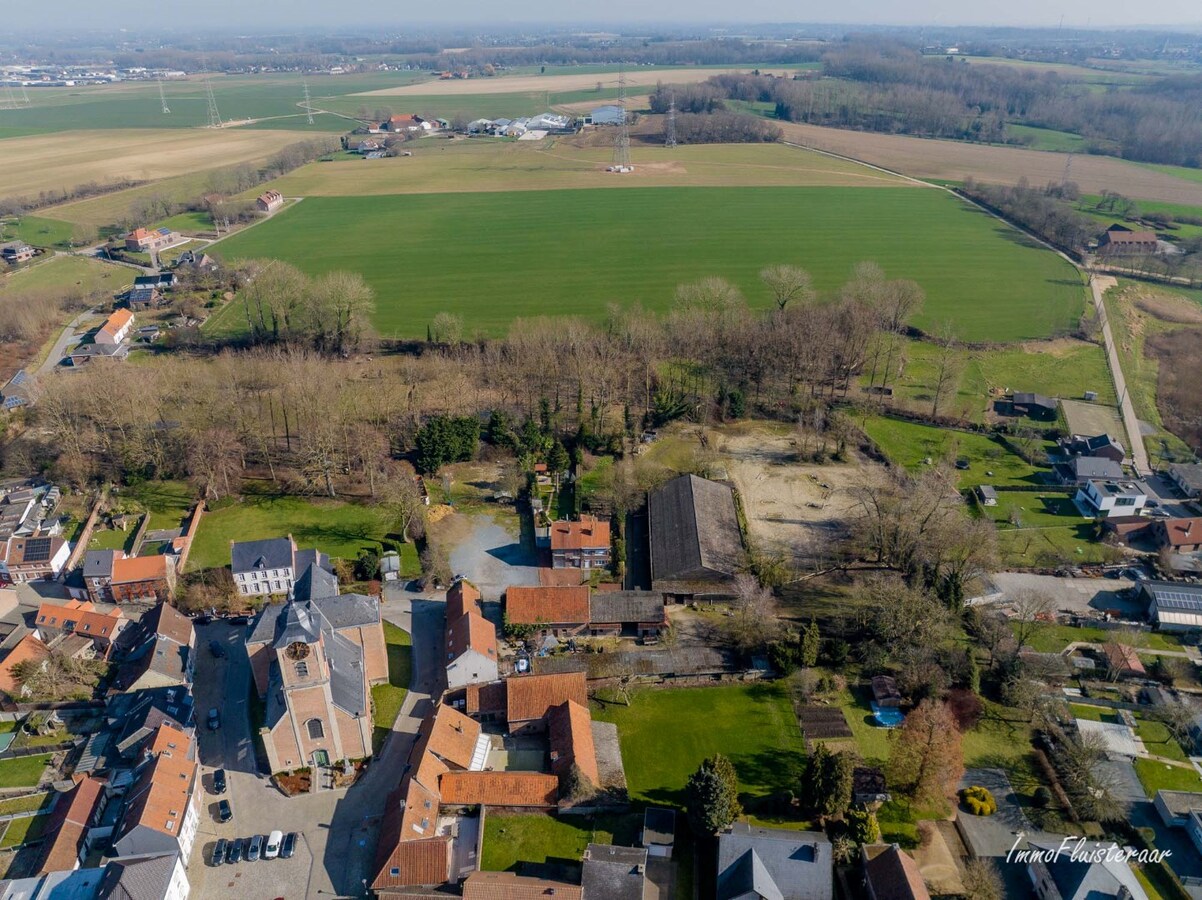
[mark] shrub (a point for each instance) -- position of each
(1042, 797)
(978, 800)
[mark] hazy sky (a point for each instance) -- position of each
(290, 14)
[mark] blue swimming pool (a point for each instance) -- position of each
(887, 716)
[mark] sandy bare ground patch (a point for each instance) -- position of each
(955, 161)
(1169, 308)
(518, 84)
(1092, 418)
(43, 162)
(790, 506)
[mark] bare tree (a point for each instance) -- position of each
(948, 368)
(788, 283)
(1031, 609)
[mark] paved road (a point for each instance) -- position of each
(65, 340)
(338, 828)
(1099, 284)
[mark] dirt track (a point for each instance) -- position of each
(955, 161)
(520, 84)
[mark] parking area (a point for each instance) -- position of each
(490, 557)
(1077, 596)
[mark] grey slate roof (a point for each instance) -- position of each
(343, 611)
(273, 553)
(297, 622)
(797, 864)
(626, 606)
(346, 673)
(1081, 880)
(137, 879)
(613, 873)
(1171, 595)
(315, 582)
(694, 530)
(1190, 474)
(98, 563)
(1024, 398)
(1091, 468)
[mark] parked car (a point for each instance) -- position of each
(255, 850)
(219, 781)
(289, 845)
(214, 719)
(274, 840)
(239, 620)
(224, 811)
(234, 853)
(218, 856)
(216, 649)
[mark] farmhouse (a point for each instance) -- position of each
(115, 328)
(313, 660)
(1035, 406)
(141, 240)
(768, 862)
(15, 252)
(471, 639)
(1100, 445)
(560, 611)
(1188, 478)
(580, 545)
(696, 545)
(99, 630)
(1178, 535)
(1120, 241)
(1172, 606)
(271, 566)
(1111, 498)
(406, 123)
(530, 699)
(269, 201)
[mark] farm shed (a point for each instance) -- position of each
(987, 495)
(1171, 606)
(696, 544)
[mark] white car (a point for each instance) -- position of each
(272, 850)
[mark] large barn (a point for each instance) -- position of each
(696, 544)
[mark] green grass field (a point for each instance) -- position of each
(1047, 138)
(909, 444)
(495, 257)
(21, 831)
(1054, 638)
(753, 725)
(387, 699)
(66, 275)
(540, 843)
(39, 231)
(1158, 776)
(188, 222)
(338, 528)
(1033, 526)
(22, 771)
(168, 502)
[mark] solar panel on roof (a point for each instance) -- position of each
(37, 549)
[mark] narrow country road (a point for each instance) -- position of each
(1099, 284)
(66, 339)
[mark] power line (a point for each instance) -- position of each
(308, 108)
(622, 139)
(214, 115)
(163, 97)
(670, 129)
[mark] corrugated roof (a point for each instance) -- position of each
(613, 607)
(694, 529)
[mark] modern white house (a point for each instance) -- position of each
(1111, 498)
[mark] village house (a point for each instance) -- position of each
(1095, 871)
(164, 651)
(1178, 535)
(269, 201)
(141, 299)
(69, 839)
(406, 123)
(1111, 498)
(769, 862)
(1188, 478)
(1082, 469)
(559, 611)
(112, 577)
(470, 638)
(1099, 445)
(1118, 240)
(530, 699)
(30, 648)
(83, 620)
(314, 659)
(481, 885)
(271, 566)
(15, 252)
(162, 808)
(891, 874)
(696, 544)
(33, 558)
(116, 328)
(580, 545)
(1122, 661)
(613, 873)
(142, 240)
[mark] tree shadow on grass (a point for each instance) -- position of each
(775, 769)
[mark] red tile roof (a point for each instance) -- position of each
(485, 698)
(462, 598)
(533, 696)
(117, 321)
(1123, 658)
(450, 735)
(547, 605)
(589, 533)
(82, 618)
(471, 632)
(159, 800)
(1183, 532)
(498, 789)
(69, 825)
(508, 886)
(570, 730)
(29, 647)
(140, 568)
(414, 863)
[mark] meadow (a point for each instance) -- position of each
(494, 257)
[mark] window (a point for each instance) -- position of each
(315, 729)
(302, 670)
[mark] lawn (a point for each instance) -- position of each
(1035, 528)
(473, 253)
(187, 222)
(1054, 638)
(30, 803)
(909, 444)
(1157, 776)
(753, 725)
(19, 831)
(67, 275)
(1046, 138)
(110, 539)
(23, 771)
(1158, 740)
(335, 527)
(168, 502)
(40, 232)
(386, 699)
(549, 845)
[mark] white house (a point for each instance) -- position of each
(1111, 498)
(271, 566)
(1095, 871)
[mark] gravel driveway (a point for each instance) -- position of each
(493, 559)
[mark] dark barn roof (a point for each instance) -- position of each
(694, 530)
